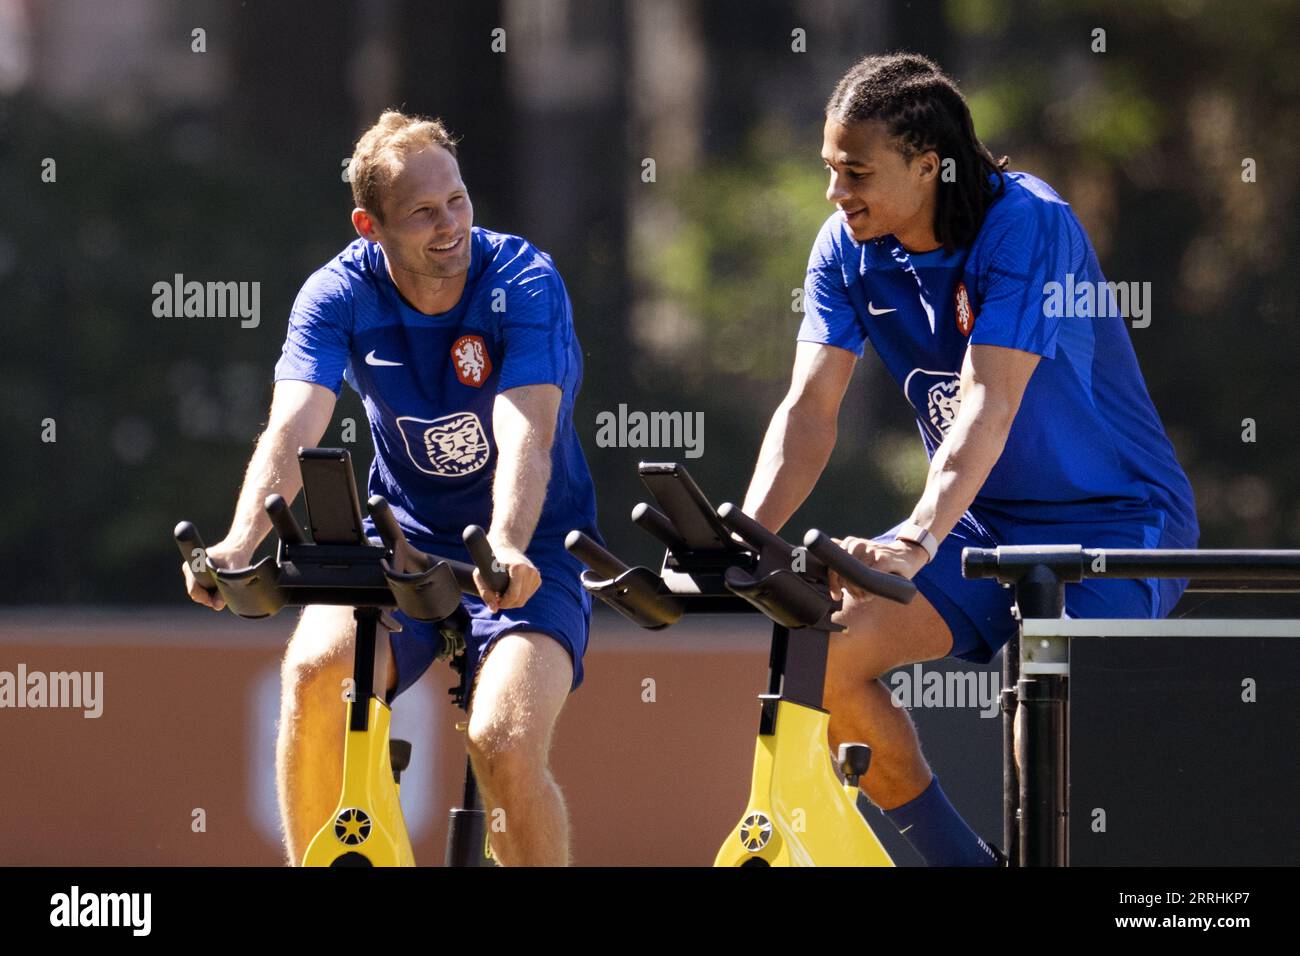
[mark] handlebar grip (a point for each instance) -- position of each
(282, 519)
(188, 541)
(593, 555)
(654, 522)
(406, 557)
(496, 577)
(758, 537)
(890, 586)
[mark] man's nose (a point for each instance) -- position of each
(836, 191)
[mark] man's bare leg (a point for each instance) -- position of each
(881, 635)
(520, 689)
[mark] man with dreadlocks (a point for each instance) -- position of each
(1039, 428)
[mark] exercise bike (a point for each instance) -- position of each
(341, 566)
(722, 561)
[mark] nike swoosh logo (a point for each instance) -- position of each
(874, 311)
(371, 360)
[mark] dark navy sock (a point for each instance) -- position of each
(937, 832)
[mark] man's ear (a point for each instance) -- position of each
(364, 224)
(928, 167)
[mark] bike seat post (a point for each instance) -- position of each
(363, 667)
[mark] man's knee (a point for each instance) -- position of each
(877, 641)
(855, 659)
(521, 688)
(503, 753)
(847, 692)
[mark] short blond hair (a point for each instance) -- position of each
(381, 148)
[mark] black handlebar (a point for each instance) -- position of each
(282, 519)
(890, 586)
(339, 565)
(496, 577)
(405, 556)
(755, 535)
(593, 555)
(722, 561)
(194, 554)
(346, 571)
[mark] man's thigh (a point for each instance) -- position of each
(322, 638)
(519, 690)
(975, 612)
(324, 642)
(881, 635)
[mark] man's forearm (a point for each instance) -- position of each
(960, 466)
(518, 493)
(794, 454)
(272, 469)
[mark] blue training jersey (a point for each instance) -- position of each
(1087, 443)
(428, 382)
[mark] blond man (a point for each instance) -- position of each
(460, 342)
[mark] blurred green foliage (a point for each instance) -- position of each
(741, 251)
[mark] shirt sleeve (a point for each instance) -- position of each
(536, 329)
(1031, 251)
(319, 344)
(828, 314)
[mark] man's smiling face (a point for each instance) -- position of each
(427, 216)
(879, 191)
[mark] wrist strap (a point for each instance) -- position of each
(917, 535)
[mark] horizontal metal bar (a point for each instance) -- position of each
(1181, 627)
(1009, 562)
(1242, 587)
(1170, 563)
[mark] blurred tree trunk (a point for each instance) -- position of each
(569, 164)
(289, 77)
(449, 70)
(920, 26)
(667, 105)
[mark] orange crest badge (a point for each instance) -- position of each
(965, 314)
(469, 355)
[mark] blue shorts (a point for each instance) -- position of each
(978, 612)
(560, 608)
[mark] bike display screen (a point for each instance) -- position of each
(330, 490)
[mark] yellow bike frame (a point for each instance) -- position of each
(799, 813)
(367, 827)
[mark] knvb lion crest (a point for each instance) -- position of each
(470, 355)
(962, 307)
(936, 396)
(448, 447)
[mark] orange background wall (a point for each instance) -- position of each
(186, 725)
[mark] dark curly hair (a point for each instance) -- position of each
(923, 109)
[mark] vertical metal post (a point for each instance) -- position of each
(467, 826)
(1041, 691)
(1044, 806)
(1010, 783)
(363, 666)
